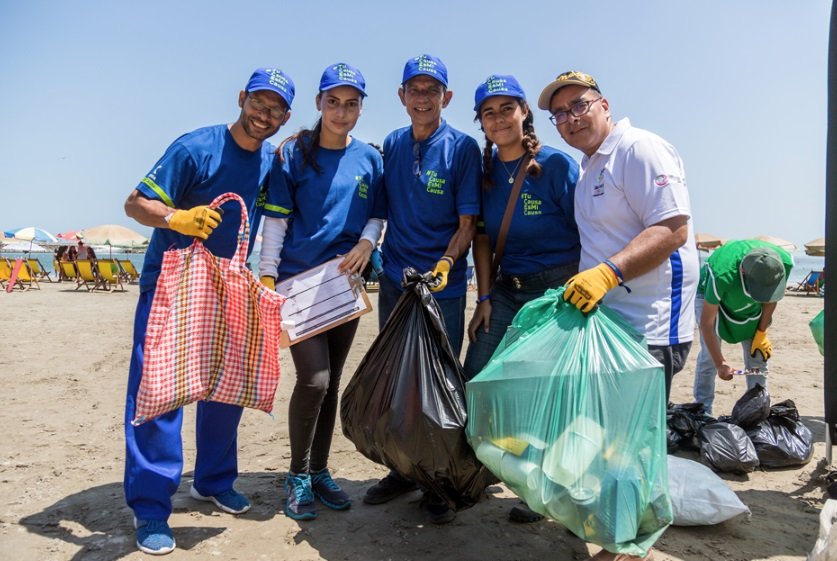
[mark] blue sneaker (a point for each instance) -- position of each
(300, 504)
(154, 537)
(229, 501)
(329, 493)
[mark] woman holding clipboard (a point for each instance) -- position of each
(319, 205)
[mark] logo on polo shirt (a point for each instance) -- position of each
(362, 187)
(661, 180)
(435, 184)
(531, 205)
(598, 188)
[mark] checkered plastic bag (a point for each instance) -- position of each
(213, 331)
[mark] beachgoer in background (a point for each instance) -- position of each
(431, 187)
(172, 198)
(319, 206)
(633, 214)
(531, 262)
(83, 251)
(740, 284)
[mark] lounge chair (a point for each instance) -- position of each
(70, 272)
(109, 275)
(38, 269)
(131, 274)
(811, 284)
(25, 278)
(86, 276)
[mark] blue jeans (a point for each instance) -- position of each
(453, 311)
(508, 294)
(705, 371)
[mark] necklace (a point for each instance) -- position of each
(512, 173)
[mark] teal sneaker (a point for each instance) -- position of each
(154, 537)
(329, 493)
(229, 501)
(300, 503)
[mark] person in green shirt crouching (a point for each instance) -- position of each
(740, 284)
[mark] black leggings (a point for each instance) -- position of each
(313, 408)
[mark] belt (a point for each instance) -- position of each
(550, 278)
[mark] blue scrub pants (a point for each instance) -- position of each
(154, 450)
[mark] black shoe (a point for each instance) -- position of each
(522, 514)
(388, 488)
(438, 511)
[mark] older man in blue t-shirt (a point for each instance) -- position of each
(431, 195)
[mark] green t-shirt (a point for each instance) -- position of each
(720, 284)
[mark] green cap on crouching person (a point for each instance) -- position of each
(763, 275)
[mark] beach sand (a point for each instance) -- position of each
(64, 364)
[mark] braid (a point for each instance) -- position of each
(531, 143)
(487, 164)
(308, 141)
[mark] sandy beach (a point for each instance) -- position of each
(64, 364)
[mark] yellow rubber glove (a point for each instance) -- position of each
(269, 282)
(586, 288)
(197, 222)
(761, 344)
(441, 273)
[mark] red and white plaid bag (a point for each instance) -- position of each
(213, 331)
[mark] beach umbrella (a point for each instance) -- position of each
(112, 235)
(33, 234)
(69, 235)
(708, 241)
(816, 247)
(784, 244)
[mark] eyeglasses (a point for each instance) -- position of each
(261, 106)
(577, 109)
(417, 162)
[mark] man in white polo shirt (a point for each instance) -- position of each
(638, 253)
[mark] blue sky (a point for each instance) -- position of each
(93, 92)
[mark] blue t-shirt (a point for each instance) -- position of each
(327, 211)
(427, 186)
(195, 169)
(542, 233)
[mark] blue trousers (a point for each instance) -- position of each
(154, 450)
(453, 311)
(705, 371)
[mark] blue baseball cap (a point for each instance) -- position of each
(272, 80)
(498, 84)
(427, 65)
(342, 74)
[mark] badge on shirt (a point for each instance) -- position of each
(663, 180)
(598, 188)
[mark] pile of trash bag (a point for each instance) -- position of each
(756, 435)
(405, 405)
(683, 423)
(570, 414)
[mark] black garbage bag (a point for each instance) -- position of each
(726, 447)
(405, 405)
(683, 422)
(782, 440)
(752, 408)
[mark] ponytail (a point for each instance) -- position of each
(308, 141)
(531, 143)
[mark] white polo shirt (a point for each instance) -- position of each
(633, 181)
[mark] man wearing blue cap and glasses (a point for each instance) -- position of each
(173, 199)
(432, 199)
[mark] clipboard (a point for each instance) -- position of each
(319, 299)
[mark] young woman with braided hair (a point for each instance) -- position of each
(319, 205)
(542, 245)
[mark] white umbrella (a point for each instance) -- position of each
(784, 244)
(33, 234)
(816, 247)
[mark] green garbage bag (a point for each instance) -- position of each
(570, 414)
(817, 326)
